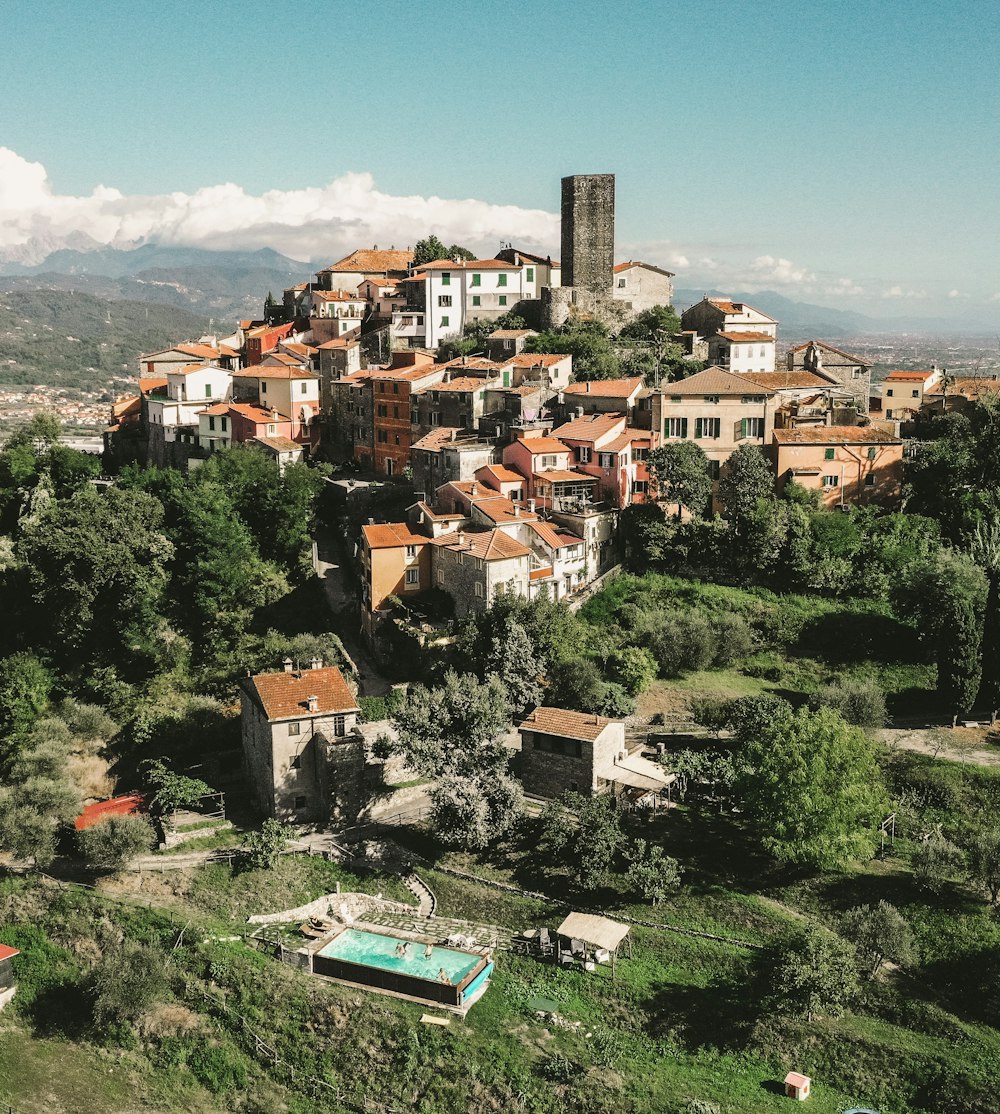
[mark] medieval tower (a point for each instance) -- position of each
(588, 232)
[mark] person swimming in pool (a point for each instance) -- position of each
(428, 951)
(443, 977)
(402, 949)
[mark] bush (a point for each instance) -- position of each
(115, 841)
(936, 860)
(860, 700)
(634, 669)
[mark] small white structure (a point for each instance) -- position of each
(7, 987)
(797, 1086)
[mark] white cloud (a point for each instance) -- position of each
(316, 223)
(844, 287)
(904, 292)
(770, 268)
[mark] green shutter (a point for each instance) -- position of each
(829, 454)
(697, 427)
(684, 427)
(743, 427)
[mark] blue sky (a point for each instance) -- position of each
(842, 153)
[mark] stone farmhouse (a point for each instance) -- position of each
(302, 751)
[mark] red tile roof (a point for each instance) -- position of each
(437, 438)
(911, 376)
(7, 952)
(286, 695)
(829, 348)
(390, 535)
(539, 445)
(606, 388)
(589, 429)
(748, 338)
(713, 381)
(620, 267)
(469, 265)
(373, 261)
(560, 476)
(336, 296)
(189, 369)
(566, 724)
(262, 372)
(835, 435)
(154, 383)
(459, 383)
(278, 444)
(786, 380)
(502, 474)
(536, 359)
(488, 545)
(511, 334)
(499, 509)
(555, 539)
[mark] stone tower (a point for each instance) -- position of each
(588, 232)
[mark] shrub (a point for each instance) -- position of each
(634, 668)
(115, 841)
(860, 700)
(733, 639)
(936, 860)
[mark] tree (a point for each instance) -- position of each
(585, 834)
(128, 977)
(25, 685)
(454, 728)
(588, 343)
(814, 974)
(652, 872)
(982, 855)
(813, 789)
(263, 847)
(746, 480)
(680, 473)
(428, 250)
(115, 841)
(860, 700)
(172, 790)
(456, 251)
(635, 668)
(511, 656)
(936, 860)
(471, 813)
(879, 934)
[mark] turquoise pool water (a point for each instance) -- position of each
(371, 949)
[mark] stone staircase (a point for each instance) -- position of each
(483, 935)
(426, 901)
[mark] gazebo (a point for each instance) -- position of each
(591, 930)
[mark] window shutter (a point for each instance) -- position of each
(697, 427)
(684, 427)
(743, 427)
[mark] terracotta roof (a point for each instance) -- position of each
(511, 334)
(251, 410)
(787, 380)
(628, 437)
(205, 351)
(391, 535)
(606, 388)
(460, 383)
(499, 509)
(277, 357)
(373, 260)
(537, 359)
(477, 363)
(189, 369)
(336, 296)
(713, 381)
(540, 574)
(488, 545)
(345, 341)
(555, 539)
(835, 435)
(728, 306)
(965, 386)
(619, 267)
(279, 444)
(286, 695)
(539, 445)
(295, 347)
(829, 348)
(567, 724)
(261, 372)
(560, 476)
(911, 376)
(590, 428)
(437, 438)
(469, 265)
(7, 952)
(153, 383)
(502, 474)
(749, 338)
(425, 508)
(406, 374)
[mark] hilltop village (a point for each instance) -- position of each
(475, 685)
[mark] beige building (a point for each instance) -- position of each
(642, 285)
(302, 752)
(846, 464)
(903, 392)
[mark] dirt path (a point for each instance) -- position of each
(959, 744)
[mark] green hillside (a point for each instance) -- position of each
(75, 340)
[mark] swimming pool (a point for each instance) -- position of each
(372, 949)
(443, 976)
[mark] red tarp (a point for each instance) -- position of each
(104, 810)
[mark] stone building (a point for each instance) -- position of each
(642, 285)
(852, 373)
(302, 751)
(588, 232)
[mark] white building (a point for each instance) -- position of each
(189, 390)
(740, 338)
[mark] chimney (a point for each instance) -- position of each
(517, 511)
(474, 489)
(454, 435)
(579, 410)
(531, 506)
(316, 663)
(287, 663)
(461, 538)
(313, 703)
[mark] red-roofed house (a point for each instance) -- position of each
(303, 754)
(847, 464)
(603, 396)
(740, 338)
(395, 561)
(607, 448)
(903, 392)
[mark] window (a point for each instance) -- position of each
(225, 424)
(870, 480)
(829, 454)
(435, 417)
(501, 280)
(382, 411)
(712, 398)
(477, 280)
(444, 322)
(548, 462)
(211, 423)
(440, 576)
(303, 387)
(390, 466)
(383, 437)
(676, 427)
(479, 590)
(831, 481)
(414, 417)
(889, 392)
(208, 390)
(395, 412)
(707, 427)
(295, 728)
(412, 578)
(300, 804)
(855, 373)
(713, 469)
(296, 762)
(529, 274)
(584, 454)
(888, 413)
(444, 300)
(271, 430)
(621, 284)
(395, 388)
(872, 453)
(640, 487)
(340, 726)
(607, 460)
(763, 350)
(502, 299)
(916, 394)
(752, 427)
(263, 387)
(446, 278)
(411, 551)
(476, 300)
